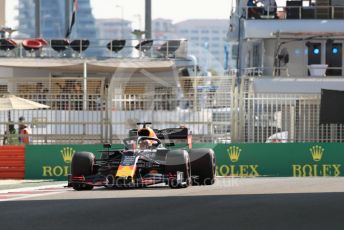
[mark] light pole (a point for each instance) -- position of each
(38, 18)
(148, 19)
(2, 13)
(122, 20)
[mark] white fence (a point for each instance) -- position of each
(106, 114)
(214, 109)
(287, 115)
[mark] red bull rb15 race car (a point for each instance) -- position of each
(148, 158)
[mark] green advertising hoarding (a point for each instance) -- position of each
(296, 160)
(243, 160)
(53, 161)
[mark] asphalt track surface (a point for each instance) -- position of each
(232, 203)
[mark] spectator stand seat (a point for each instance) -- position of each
(43, 41)
(7, 46)
(33, 45)
(144, 46)
(169, 48)
(79, 46)
(60, 46)
(116, 45)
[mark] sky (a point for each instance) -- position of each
(133, 10)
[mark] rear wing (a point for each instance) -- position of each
(174, 135)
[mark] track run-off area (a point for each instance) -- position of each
(231, 203)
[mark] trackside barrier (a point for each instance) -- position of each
(53, 161)
(282, 160)
(12, 162)
(243, 160)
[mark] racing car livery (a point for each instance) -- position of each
(145, 161)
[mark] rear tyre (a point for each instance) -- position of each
(203, 166)
(178, 161)
(82, 165)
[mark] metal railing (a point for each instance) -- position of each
(280, 117)
(200, 103)
(284, 72)
(294, 12)
(214, 109)
(101, 48)
(285, 118)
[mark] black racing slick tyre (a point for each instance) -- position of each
(82, 165)
(82, 187)
(178, 161)
(203, 166)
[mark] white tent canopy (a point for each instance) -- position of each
(109, 65)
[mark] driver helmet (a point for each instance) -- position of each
(145, 144)
(146, 132)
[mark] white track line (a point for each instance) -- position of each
(31, 189)
(27, 189)
(30, 196)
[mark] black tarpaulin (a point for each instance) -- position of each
(332, 107)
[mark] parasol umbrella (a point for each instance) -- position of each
(10, 102)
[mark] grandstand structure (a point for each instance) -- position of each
(282, 60)
(286, 54)
(97, 100)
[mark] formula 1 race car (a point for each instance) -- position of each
(145, 161)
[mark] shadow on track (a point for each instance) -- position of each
(154, 187)
(271, 211)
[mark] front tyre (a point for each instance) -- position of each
(178, 161)
(203, 166)
(82, 187)
(82, 165)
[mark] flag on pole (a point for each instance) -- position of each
(75, 9)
